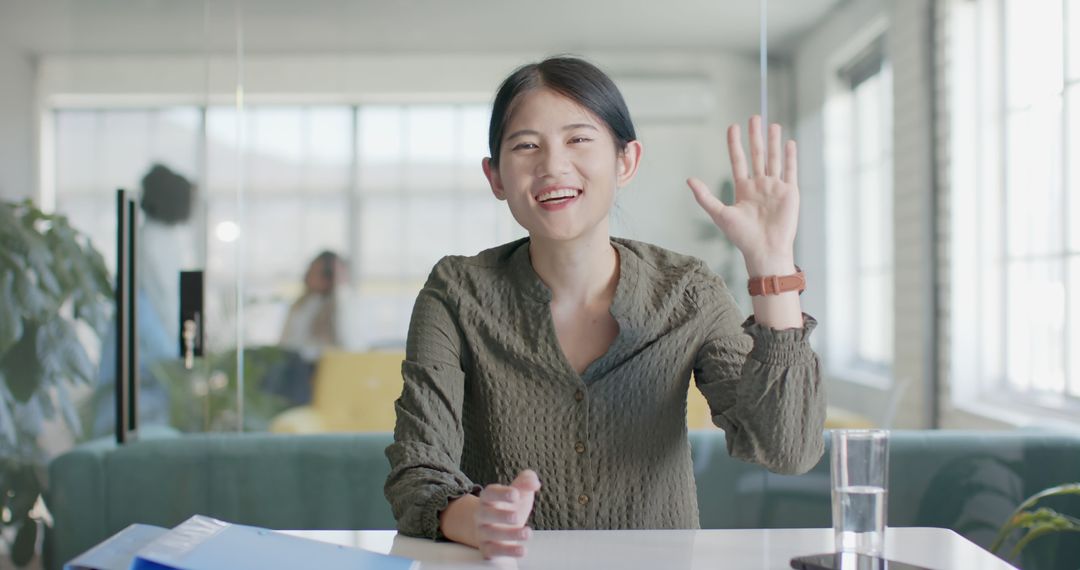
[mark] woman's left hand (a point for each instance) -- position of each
(765, 215)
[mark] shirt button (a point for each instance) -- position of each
(579, 395)
(583, 499)
(579, 447)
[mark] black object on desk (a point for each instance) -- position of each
(849, 561)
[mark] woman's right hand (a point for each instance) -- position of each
(496, 519)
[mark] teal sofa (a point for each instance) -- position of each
(966, 481)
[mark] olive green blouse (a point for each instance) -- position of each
(488, 392)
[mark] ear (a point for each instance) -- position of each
(492, 175)
(627, 162)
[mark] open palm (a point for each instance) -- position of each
(763, 220)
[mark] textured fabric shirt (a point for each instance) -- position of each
(488, 392)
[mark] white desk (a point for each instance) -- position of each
(934, 548)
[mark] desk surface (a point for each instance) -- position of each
(933, 548)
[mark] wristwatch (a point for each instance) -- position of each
(776, 284)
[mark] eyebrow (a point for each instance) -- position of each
(569, 127)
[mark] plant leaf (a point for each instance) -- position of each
(1017, 518)
(11, 323)
(7, 415)
(1066, 489)
(61, 353)
(67, 408)
(20, 365)
(45, 403)
(29, 298)
(1042, 518)
(49, 352)
(1048, 521)
(22, 550)
(29, 418)
(39, 258)
(93, 309)
(26, 488)
(98, 271)
(75, 357)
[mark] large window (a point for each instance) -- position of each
(860, 213)
(1016, 202)
(386, 186)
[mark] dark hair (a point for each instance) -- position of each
(328, 261)
(166, 196)
(571, 77)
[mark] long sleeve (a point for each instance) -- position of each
(764, 386)
(425, 457)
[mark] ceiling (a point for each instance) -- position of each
(379, 26)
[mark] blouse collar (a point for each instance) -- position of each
(526, 280)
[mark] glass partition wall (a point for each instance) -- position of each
(332, 161)
(333, 151)
(131, 96)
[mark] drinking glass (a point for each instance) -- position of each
(860, 489)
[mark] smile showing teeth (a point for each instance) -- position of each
(558, 194)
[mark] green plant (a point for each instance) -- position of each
(1037, 522)
(204, 399)
(51, 279)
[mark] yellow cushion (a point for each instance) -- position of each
(301, 419)
(353, 392)
(698, 415)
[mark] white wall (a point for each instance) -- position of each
(17, 126)
(910, 46)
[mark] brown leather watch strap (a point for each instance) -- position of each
(776, 284)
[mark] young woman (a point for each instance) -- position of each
(566, 357)
(313, 322)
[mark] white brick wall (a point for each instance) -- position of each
(910, 45)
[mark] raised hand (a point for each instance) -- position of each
(502, 514)
(763, 220)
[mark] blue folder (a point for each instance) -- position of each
(203, 543)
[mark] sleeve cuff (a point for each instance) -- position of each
(438, 502)
(781, 347)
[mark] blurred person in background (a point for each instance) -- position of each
(317, 320)
(163, 248)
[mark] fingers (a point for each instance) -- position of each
(711, 204)
(496, 513)
(757, 147)
(791, 163)
(501, 533)
(500, 504)
(526, 481)
(773, 165)
(499, 494)
(770, 160)
(735, 151)
(503, 512)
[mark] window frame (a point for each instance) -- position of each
(352, 194)
(864, 59)
(980, 368)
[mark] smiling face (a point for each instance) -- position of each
(559, 167)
